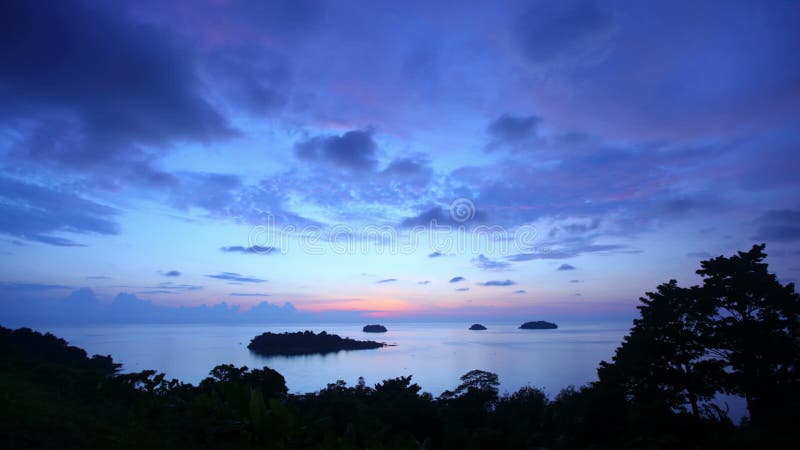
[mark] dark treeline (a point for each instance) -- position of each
(736, 333)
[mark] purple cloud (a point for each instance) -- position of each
(235, 277)
(498, 283)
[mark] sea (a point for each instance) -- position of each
(435, 354)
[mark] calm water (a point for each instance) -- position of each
(436, 354)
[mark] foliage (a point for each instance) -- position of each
(306, 343)
(736, 333)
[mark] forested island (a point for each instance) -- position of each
(306, 343)
(736, 333)
(538, 325)
(374, 329)
(477, 326)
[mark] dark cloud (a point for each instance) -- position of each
(156, 292)
(462, 289)
(498, 283)
(169, 287)
(96, 88)
(285, 18)
(233, 276)
(457, 279)
(567, 252)
(512, 130)
(13, 288)
(170, 273)
(443, 217)
(406, 167)
(353, 150)
(387, 280)
(572, 229)
(33, 212)
(53, 240)
(551, 30)
(780, 225)
(403, 166)
(253, 249)
(251, 79)
(564, 267)
(485, 263)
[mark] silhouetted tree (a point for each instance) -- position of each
(479, 380)
(756, 332)
(664, 360)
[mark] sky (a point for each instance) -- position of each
(391, 159)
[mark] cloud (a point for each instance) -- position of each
(565, 267)
(436, 255)
(457, 279)
(251, 79)
(214, 192)
(442, 217)
(252, 250)
(33, 212)
(512, 131)
(98, 277)
(411, 172)
(464, 289)
(170, 273)
(424, 282)
(83, 307)
(353, 150)
(485, 263)
(567, 252)
(30, 287)
(387, 280)
(521, 291)
(169, 287)
(233, 276)
(97, 88)
(249, 294)
(553, 30)
(574, 281)
(575, 229)
(699, 255)
(404, 167)
(778, 225)
(498, 283)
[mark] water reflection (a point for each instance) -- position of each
(436, 354)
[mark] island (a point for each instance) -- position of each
(477, 326)
(306, 343)
(538, 325)
(374, 329)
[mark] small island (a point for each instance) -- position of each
(477, 326)
(374, 329)
(538, 325)
(306, 343)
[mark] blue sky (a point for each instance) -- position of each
(149, 146)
